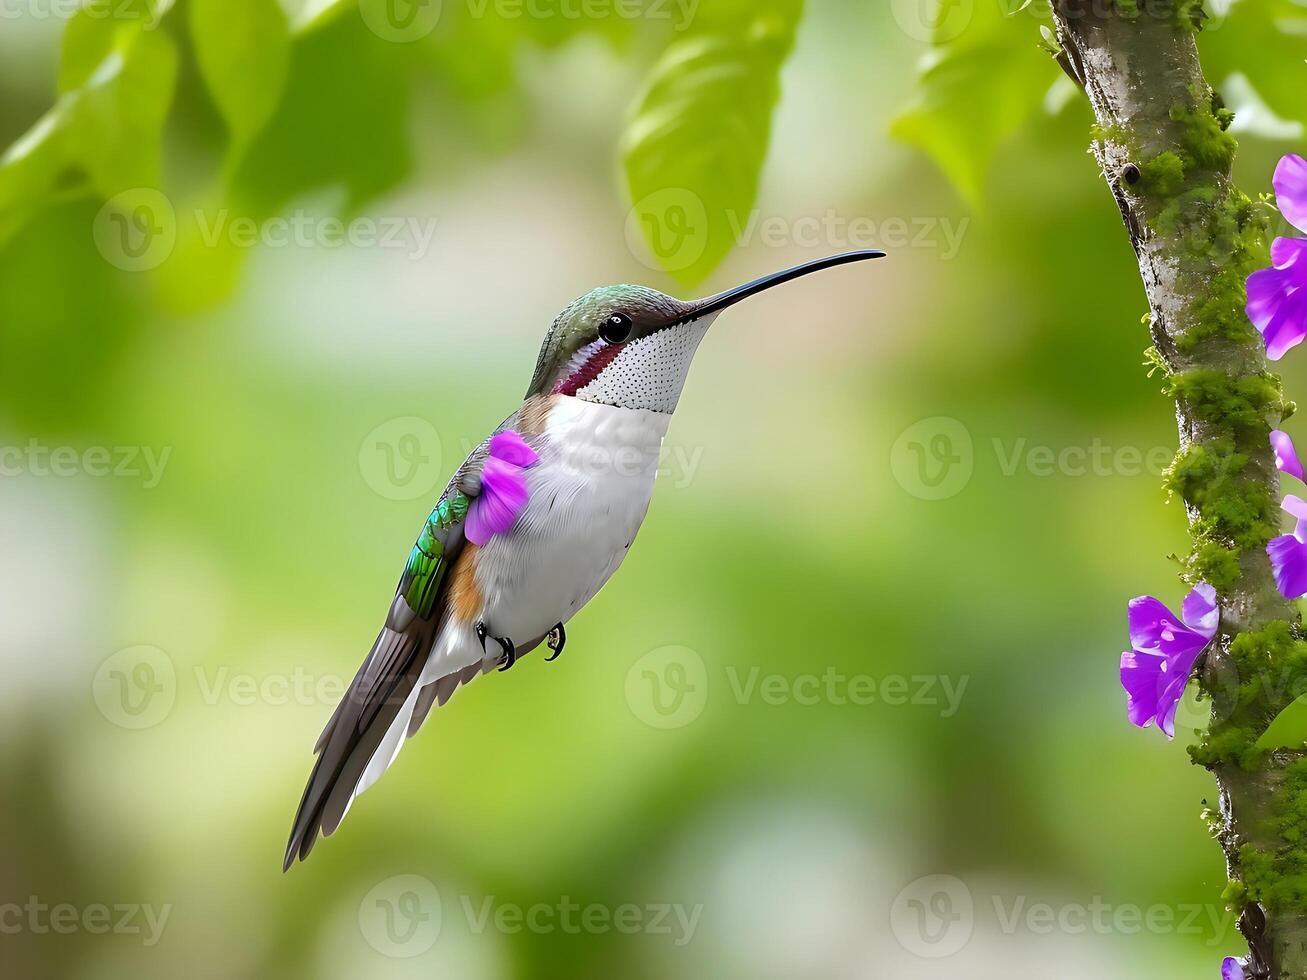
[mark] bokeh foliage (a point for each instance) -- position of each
(793, 548)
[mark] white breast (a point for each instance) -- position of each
(588, 496)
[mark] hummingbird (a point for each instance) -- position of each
(530, 527)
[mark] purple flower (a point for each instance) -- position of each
(1288, 552)
(1277, 301)
(503, 494)
(1286, 457)
(1164, 648)
(1231, 970)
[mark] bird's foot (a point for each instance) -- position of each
(508, 650)
(556, 640)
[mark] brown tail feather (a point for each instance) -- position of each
(356, 729)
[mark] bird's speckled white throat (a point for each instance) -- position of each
(650, 372)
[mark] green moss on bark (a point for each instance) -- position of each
(1216, 238)
(1263, 672)
(1277, 877)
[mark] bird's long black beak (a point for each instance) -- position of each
(714, 304)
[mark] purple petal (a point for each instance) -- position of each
(1289, 563)
(1288, 325)
(1231, 970)
(1291, 189)
(1141, 676)
(1155, 629)
(1295, 505)
(1201, 613)
(1171, 689)
(1148, 618)
(509, 447)
(1286, 457)
(1286, 253)
(1267, 291)
(502, 499)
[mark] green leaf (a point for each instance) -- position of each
(115, 124)
(243, 51)
(319, 13)
(97, 29)
(1265, 40)
(29, 170)
(696, 144)
(976, 91)
(343, 121)
(1289, 729)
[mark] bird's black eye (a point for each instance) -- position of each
(615, 328)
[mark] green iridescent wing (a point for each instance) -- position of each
(391, 670)
(427, 564)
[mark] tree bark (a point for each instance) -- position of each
(1161, 143)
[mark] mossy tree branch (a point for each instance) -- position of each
(1161, 141)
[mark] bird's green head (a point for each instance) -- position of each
(631, 346)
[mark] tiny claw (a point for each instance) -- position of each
(508, 654)
(556, 640)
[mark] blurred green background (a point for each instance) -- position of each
(868, 636)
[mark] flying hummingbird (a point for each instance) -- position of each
(529, 529)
